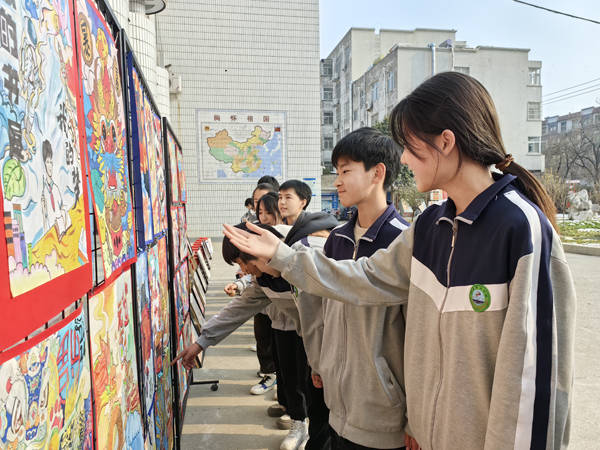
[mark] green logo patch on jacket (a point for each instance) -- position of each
(480, 297)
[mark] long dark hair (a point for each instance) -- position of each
(269, 202)
(459, 103)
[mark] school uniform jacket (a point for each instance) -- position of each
(490, 321)
(359, 351)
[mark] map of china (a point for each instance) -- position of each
(243, 156)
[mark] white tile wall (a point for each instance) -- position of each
(259, 55)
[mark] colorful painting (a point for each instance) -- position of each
(44, 210)
(175, 235)
(105, 137)
(160, 170)
(159, 299)
(182, 375)
(182, 227)
(181, 176)
(114, 367)
(172, 149)
(147, 345)
(140, 139)
(45, 390)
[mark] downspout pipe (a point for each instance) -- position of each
(433, 69)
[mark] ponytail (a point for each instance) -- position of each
(529, 185)
(460, 103)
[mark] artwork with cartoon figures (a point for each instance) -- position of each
(114, 367)
(147, 347)
(181, 176)
(160, 316)
(142, 151)
(45, 390)
(105, 137)
(44, 211)
(172, 149)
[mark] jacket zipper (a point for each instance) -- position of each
(439, 386)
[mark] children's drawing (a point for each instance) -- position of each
(181, 176)
(105, 137)
(147, 344)
(40, 159)
(175, 235)
(114, 367)
(172, 149)
(140, 139)
(157, 142)
(45, 390)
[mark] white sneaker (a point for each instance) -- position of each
(253, 347)
(267, 383)
(297, 435)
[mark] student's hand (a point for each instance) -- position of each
(317, 381)
(188, 356)
(231, 289)
(263, 245)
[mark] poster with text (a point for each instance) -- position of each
(114, 367)
(45, 239)
(45, 390)
(240, 145)
(104, 122)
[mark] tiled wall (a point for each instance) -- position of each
(261, 55)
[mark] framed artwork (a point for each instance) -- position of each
(45, 237)
(114, 366)
(105, 137)
(45, 389)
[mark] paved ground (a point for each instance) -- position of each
(233, 419)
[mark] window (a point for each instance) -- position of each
(346, 57)
(327, 94)
(328, 143)
(391, 81)
(375, 91)
(535, 143)
(535, 76)
(462, 69)
(563, 126)
(355, 114)
(362, 98)
(327, 117)
(337, 91)
(326, 69)
(544, 129)
(534, 111)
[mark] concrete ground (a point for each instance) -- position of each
(231, 418)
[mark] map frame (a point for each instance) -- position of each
(225, 114)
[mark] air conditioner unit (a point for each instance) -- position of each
(174, 83)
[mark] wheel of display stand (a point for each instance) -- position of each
(214, 387)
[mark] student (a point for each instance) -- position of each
(370, 340)
(491, 303)
(249, 215)
(260, 190)
(267, 210)
(294, 197)
(268, 179)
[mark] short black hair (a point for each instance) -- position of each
(46, 150)
(231, 252)
(269, 180)
(249, 202)
(301, 188)
(371, 147)
(269, 202)
(264, 187)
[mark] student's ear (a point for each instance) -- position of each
(379, 173)
(447, 141)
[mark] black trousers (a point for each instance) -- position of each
(295, 390)
(264, 343)
(340, 443)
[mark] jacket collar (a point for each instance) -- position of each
(478, 204)
(347, 230)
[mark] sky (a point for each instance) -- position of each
(568, 48)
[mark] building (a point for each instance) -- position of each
(365, 92)
(241, 63)
(555, 126)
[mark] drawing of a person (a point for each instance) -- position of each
(53, 207)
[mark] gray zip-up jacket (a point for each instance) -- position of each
(489, 345)
(353, 345)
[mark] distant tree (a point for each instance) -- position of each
(405, 176)
(557, 189)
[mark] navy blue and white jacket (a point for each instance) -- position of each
(489, 343)
(359, 351)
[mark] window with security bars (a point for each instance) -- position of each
(535, 76)
(327, 118)
(534, 144)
